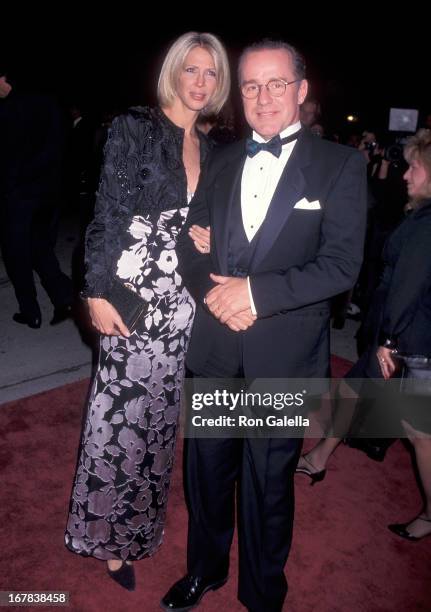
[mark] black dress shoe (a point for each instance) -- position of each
(32, 321)
(61, 313)
(125, 576)
(187, 592)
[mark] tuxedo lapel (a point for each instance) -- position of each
(226, 185)
(289, 190)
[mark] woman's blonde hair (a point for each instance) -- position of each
(419, 147)
(174, 61)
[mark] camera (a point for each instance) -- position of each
(370, 147)
(394, 153)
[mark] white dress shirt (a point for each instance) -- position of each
(259, 181)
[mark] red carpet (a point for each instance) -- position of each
(343, 557)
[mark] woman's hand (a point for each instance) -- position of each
(201, 238)
(106, 319)
(386, 361)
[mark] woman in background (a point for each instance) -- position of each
(399, 321)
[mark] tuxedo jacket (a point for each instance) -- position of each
(309, 248)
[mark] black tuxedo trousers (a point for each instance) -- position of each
(258, 474)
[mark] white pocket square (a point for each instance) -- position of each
(304, 204)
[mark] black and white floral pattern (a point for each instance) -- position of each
(119, 497)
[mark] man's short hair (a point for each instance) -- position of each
(298, 60)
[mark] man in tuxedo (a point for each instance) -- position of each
(287, 215)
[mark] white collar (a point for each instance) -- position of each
(291, 129)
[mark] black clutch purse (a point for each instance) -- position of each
(129, 304)
(416, 375)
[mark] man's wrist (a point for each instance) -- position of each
(250, 295)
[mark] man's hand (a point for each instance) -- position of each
(230, 297)
(241, 321)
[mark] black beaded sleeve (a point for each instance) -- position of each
(102, 235)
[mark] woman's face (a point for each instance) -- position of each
(418, 181)
(197, 80)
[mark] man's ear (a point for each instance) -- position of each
(303, 90)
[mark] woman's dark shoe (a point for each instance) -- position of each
(311, 472)
(401, 529)
(32, 321)
(125, 576)
(187, 592)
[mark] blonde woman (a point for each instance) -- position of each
(153, 160)
(406, 322)
(399, 327)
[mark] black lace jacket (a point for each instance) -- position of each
(406, 286)
(143, 174)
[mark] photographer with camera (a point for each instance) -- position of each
(387, 196)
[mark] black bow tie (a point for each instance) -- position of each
(273, 146)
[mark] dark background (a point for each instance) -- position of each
(356, 64)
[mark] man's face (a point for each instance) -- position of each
(5, 87)
(268, 115)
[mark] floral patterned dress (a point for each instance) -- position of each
(119, 497)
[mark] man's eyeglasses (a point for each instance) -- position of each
(275, 88)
